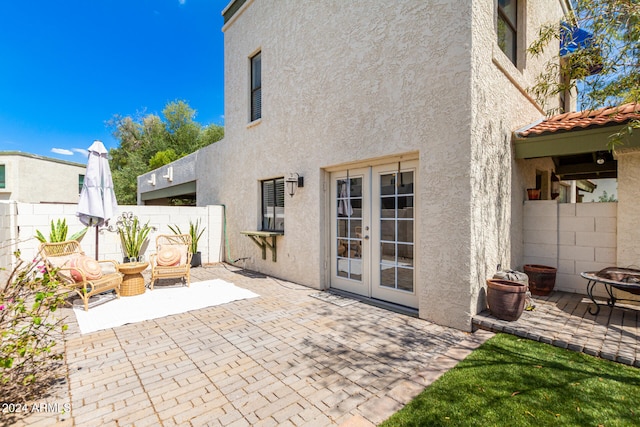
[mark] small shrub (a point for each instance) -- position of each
(29, 327)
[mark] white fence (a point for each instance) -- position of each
(19, 222)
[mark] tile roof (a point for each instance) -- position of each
(583, 120)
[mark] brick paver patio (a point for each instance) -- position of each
(284, 359)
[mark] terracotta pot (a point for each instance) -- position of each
(542, 278)
(533, 193)
(506, 299)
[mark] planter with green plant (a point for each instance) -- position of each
(133, 236)
(195, 232)
(59, 232)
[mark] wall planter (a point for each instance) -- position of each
(506, 298)
(542, 278)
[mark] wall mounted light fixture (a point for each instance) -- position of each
(169, 175)
(600, 158)
(293, 181)
(152, 180)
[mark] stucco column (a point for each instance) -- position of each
(628, 212)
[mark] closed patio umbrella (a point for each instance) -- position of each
(97, 200)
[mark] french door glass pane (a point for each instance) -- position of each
(343, 227)
(396, 230)
(405, 279)
(388, 230)
(405, 231)
(349, 228)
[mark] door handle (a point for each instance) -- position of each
(366, 237)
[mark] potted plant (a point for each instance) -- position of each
(506, 298)
(59, 231)
(133, 236)
(533, 193)
(542, 278)
(195, 232)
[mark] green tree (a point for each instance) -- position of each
(162, 158)
(614, 50)
(605, 198)
(148, 142)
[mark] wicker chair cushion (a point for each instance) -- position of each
(168, 255)
(88, 265)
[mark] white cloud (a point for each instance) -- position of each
(62, 151)
(81, 151)
(182, 2)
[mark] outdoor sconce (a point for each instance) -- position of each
(152, 180)
(601, 159)
(293, 181)
(169, 175)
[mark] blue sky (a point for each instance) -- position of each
(68, 66)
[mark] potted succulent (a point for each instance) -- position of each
(195, 232)
(133, 236)
(59, 231)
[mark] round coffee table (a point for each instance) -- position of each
(133, 281)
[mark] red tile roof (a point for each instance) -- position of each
(583, 119)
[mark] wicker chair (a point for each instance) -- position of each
(182, 269)
(59, 255)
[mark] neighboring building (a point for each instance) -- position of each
(399, 117)
(29, 178)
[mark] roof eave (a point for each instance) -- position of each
(570, 142)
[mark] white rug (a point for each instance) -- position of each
(160, 302)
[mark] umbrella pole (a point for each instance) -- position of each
(96, 242)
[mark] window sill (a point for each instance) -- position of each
(254, 123)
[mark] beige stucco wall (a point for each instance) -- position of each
(34, 179)
(342, 82)
(628, 212)
(500, 105)
(353, 82)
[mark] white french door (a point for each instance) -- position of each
(373, 232)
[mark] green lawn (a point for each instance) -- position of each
(510, 381)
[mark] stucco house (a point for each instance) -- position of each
(368, 146)
(30, 178)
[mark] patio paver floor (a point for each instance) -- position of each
(284, 358)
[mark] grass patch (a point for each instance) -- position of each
(519, 382)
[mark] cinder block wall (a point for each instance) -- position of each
(571, 237)
(6, 237)
(19, 222)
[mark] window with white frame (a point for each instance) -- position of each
(256, 86)
(273, 204)
(508, 28)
